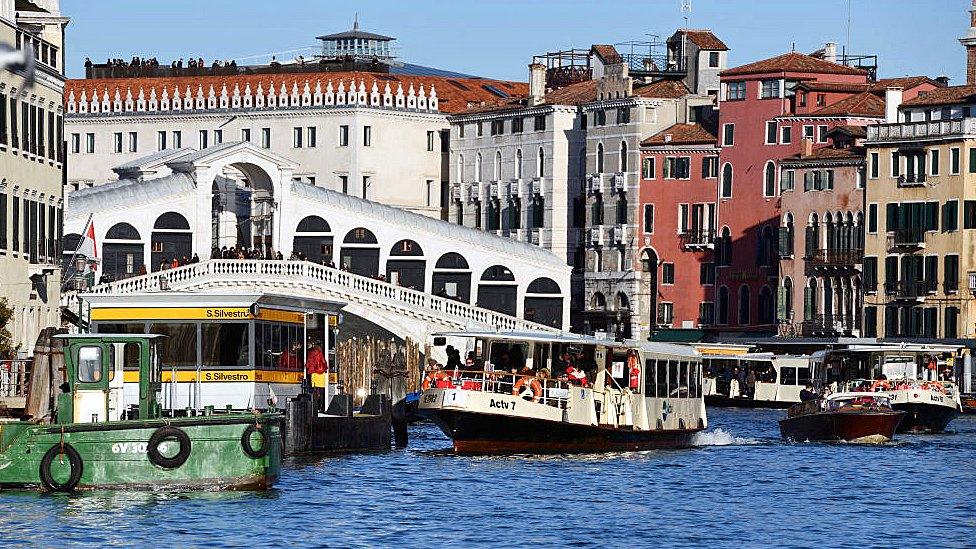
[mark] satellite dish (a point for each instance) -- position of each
(21, 61)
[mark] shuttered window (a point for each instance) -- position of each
(950, 215)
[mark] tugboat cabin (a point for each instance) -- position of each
(94, 377)
(244, 350)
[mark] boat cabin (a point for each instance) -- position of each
(728, 371)
(95, 367)
(853, 366)
(246, 350)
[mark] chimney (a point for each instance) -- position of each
(943, 80)
(806, 147)
(830, 51)
(893, 96)
(969, 41)
(537, 83)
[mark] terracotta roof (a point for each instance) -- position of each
(682, 134)
(665, 89)
(573, 94)
(862, 104)
(851, 130)
(704, 39)
(792, 62)
(904, 82)
(607, 53)
(454, 94)
(827, 153)
(837, 87)
(943, 96)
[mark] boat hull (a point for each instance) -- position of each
(925, 418)
(867, 427)
(115, 455)
(481, 433)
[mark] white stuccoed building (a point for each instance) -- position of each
(358, 123)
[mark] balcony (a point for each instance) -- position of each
(916, 290)
(911, 180)
(828, 325)
(911, 238)
(618, 183)
(594, 184)
(698, 239)
(915, 131)
(834, 259)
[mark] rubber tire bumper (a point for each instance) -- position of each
(164, 433)
(74, 459)
(246, 441)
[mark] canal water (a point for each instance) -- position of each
(739, 487)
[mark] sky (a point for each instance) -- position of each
(497, 38)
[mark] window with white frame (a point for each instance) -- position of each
(430, 141)
(728, 135)
(735, 91)
(117, 142)
(218, 137)
(89, 142)
(677, 167)
(266, 138)
(954, 161)
(204, 138)
(296, 137)
(133, 142)
(821, 134)
(770, 132)
(367, 136)
(709, 167)
(647, 168)
(682, 218)
(787, 180)
(311, 135)
(808, 132)
(667, 273)
(649, 218)
(786, 135)
(75, 143)
(177, 139)
(161, 141)
(344, 136)
(769, 89)
(246, 135)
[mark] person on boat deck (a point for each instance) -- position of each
(808, 394)
(315, 362)
(634, 375)
(576, 376)
(470, 363)
(751, 384)
(454, 359)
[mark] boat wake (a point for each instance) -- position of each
(720, 437)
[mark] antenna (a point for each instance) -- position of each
(686, 10)
(847, 46)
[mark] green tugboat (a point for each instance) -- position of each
(94, 444)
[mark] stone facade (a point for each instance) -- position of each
(31, 163)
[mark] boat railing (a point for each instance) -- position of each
(876, 386)
(554, 391)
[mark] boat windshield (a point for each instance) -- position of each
(857, 402)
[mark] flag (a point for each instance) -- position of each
(87, 246)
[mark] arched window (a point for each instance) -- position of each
(744, 306)
(598, 302)
(541, 166)
(727, 180)
(599, 157)
(723, 247)
(171, 220)
(407, 247)
(460, 168)
(769, 186)
(451, 260)
(812, 237)
(497, 273)
(828, 296)
(621, 302)
(518, 164)
(359, 236)
(122, 231)
(786, 241)
(479, 176)
(313, 224)
(498, 166)
(543, 286)
(623, 156)
(810, 299)
(723, 305)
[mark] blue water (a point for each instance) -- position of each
(740, 487)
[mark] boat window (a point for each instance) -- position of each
(765, 372)
(181, 344)
(662, 378)
(131, 356)
(541, 358)
(803, 375)
(673, 368)
(226, 343)
(694, 375)
(788, 374)
(650, 377)
(154, 366)
(507, 356)
(111, 362)
(280, 346)
(683, 380)
(90, 364)
(119, 327)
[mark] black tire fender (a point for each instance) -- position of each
(164, 433)
(74, 459)
(246, 441)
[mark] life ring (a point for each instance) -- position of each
(164, 433)
(534, 385)
(74, 461)
(433, 377)
(879, 386)
(246, 441)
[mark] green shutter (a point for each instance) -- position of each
(807, 303)
(781, 304)
(972, 160)
(931, 216)
(891, 217)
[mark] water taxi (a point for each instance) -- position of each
(735, 376)
(917, 378)
(521, 392)
(848, 417)
(94, 442)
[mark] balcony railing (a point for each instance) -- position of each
(835, 258)
(828, 324)
(913, 290)
(697, 239)
(911, 237)
(916, 130)
(911, 180)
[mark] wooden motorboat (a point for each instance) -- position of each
(849, 417)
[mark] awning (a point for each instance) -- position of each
(676, 335)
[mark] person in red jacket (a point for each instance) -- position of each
(634, 368)
(315, 362)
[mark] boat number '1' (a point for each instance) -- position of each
(501, 404)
